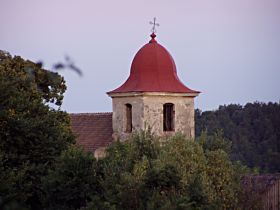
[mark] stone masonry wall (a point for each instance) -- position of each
(119, 115)
(184, 114)
(147, 110)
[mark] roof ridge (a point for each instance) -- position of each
(92, 113)
(263, 175)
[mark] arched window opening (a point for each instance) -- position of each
(168, 117)
(128, 118)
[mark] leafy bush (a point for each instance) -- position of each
(146, 172)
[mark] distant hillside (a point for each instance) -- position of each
(254, 130)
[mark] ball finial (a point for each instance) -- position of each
(153, 35)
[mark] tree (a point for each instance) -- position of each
(253, 130)
(170, 173)
(32, 134)
(73, 181)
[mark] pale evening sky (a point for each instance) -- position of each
(227, 49)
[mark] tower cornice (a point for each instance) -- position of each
(161, 94)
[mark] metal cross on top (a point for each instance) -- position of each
(154, 25)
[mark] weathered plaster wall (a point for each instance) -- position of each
(119, 115)
(184, 113)
(148, 110)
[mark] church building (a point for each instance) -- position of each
(152, 96)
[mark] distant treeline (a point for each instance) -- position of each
(253, 129)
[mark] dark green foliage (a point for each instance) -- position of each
(162, 179)
(32, 135)
(145, 145)
(146, 173)
(40, 169)
(72, 182)
(253, 129)
(9, 199)
(214, 142)
(171, 173)
(197, 192)
(26, 76)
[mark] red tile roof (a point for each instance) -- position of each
(94, 130)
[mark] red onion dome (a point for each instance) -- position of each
(153, 70)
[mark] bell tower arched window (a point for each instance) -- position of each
(168, 117)
(128, 109)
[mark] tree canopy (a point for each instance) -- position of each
(40, 168)
(146, 172)
(32, 134)
(253, 130)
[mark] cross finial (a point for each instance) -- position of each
(154, 25)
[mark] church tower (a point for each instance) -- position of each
(153, 96)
